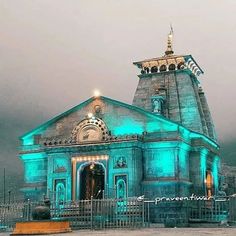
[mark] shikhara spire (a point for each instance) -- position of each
(169, 86)
(169, 50)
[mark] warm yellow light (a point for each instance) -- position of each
(96, 93)
(92, 166)
(90, 115)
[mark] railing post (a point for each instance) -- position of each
(91, 212)
(143, 213)
(107, 191)
(115, 191)
(28, 210)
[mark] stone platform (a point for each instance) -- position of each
(41, 227)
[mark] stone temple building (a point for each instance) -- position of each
(164, 144)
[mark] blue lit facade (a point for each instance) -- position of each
(149, 154)
(162, 145)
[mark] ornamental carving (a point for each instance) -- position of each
(162, 61)
(90, 130)
(121, 162)
(150, 171)
(157, 104)
(60, 169)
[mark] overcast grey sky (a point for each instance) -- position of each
(53, 53)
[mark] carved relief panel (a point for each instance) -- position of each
(59, 165)
(90, 130)
(120, 162)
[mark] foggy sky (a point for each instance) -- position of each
(54, 53)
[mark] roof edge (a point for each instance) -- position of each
(138, 109)
(57, 117)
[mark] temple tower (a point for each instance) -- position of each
(169, 86)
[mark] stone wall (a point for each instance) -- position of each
(183, 104)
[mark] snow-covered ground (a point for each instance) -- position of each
(154, 231)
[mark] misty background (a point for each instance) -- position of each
(54, 53)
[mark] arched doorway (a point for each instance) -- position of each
(92, 181)
(121, 189)
(209, 183)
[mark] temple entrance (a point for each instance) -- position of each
(92, 182)
(209, 183)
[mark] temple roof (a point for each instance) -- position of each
(187, 60)
(73, 109)
(159, 118)
(169, 61)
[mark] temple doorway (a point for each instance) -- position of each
(209, 183)
(92, 181)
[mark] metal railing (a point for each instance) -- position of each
(102, 213)
(209, 211)
(121, 213)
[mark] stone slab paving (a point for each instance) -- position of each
(154, 232)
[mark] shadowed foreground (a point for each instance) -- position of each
(155, 231)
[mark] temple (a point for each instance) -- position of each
(163, 145)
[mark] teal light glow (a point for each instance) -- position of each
(60, 193)
(162, 144)
(60, 164)
(162, 164)
(203, 163)
(35, 171)
(128, 126)
(33, 156)
(189, 135)
(165, 182)
(35, 167)
(154, 126)
(185, 133)
(215, 168)
(206, 139)
(183, 164)
(28, 138)
(166, 165)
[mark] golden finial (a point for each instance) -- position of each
(169, 50)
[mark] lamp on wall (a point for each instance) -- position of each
(96, 93)
(92, 166)
(90, 115)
